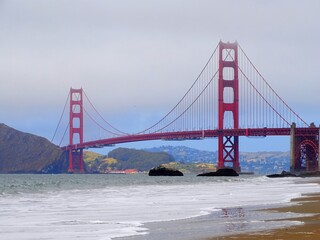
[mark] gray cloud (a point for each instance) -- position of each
(146, 53)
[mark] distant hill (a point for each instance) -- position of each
(265, 162)
(125, 158)
(139, 159)
(191, 168)
(184, 154)
(26, 153)
(258, 162)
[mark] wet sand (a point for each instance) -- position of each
(238, 220)
(310, 229)
(300, 220)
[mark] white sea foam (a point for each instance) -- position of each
(116, 211)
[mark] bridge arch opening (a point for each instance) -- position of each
(76, 108)
(228, 54)
(76, 138)
(228, 120)
(228, 95)
(306, 156)
(228, 73)
(76, 122)
(76, 96)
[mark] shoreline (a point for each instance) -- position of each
(297, 219)
(221, 223)
(309, 229)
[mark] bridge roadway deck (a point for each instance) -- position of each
(195, 135)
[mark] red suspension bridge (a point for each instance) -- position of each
(229, 99)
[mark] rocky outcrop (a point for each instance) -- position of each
(282, 174)
(300, 174)
(223, 172)
(26, 153)
(163, 171)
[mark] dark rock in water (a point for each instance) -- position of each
(27, 153)
(223, 172)
(310, 174)
(162, 171)
(282, 174)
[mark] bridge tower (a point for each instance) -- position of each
(76, 163)
(228, 146)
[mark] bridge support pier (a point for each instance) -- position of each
(228, 156)
(304, 152)
(76, 164)
(292, 147)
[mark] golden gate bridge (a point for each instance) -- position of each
(230, 98)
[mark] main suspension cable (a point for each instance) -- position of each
(272, 88)
(114, 128)
(184, 96)
(86, 112)
(64, 108)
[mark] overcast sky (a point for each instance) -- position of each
(135, 59)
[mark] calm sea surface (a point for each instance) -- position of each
(110, 206)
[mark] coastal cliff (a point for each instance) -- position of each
(27, 153)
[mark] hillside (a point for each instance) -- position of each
(124, 158)
(187, 160)
(184, 154)
(26, 153)
(258, 162)
(191, 168)
(265, 162)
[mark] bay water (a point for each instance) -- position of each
(108, 206)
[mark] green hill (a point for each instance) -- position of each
(124, 158)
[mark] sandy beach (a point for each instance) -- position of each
(299, 220)
(310, 229)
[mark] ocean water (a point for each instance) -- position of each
(110, 206)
